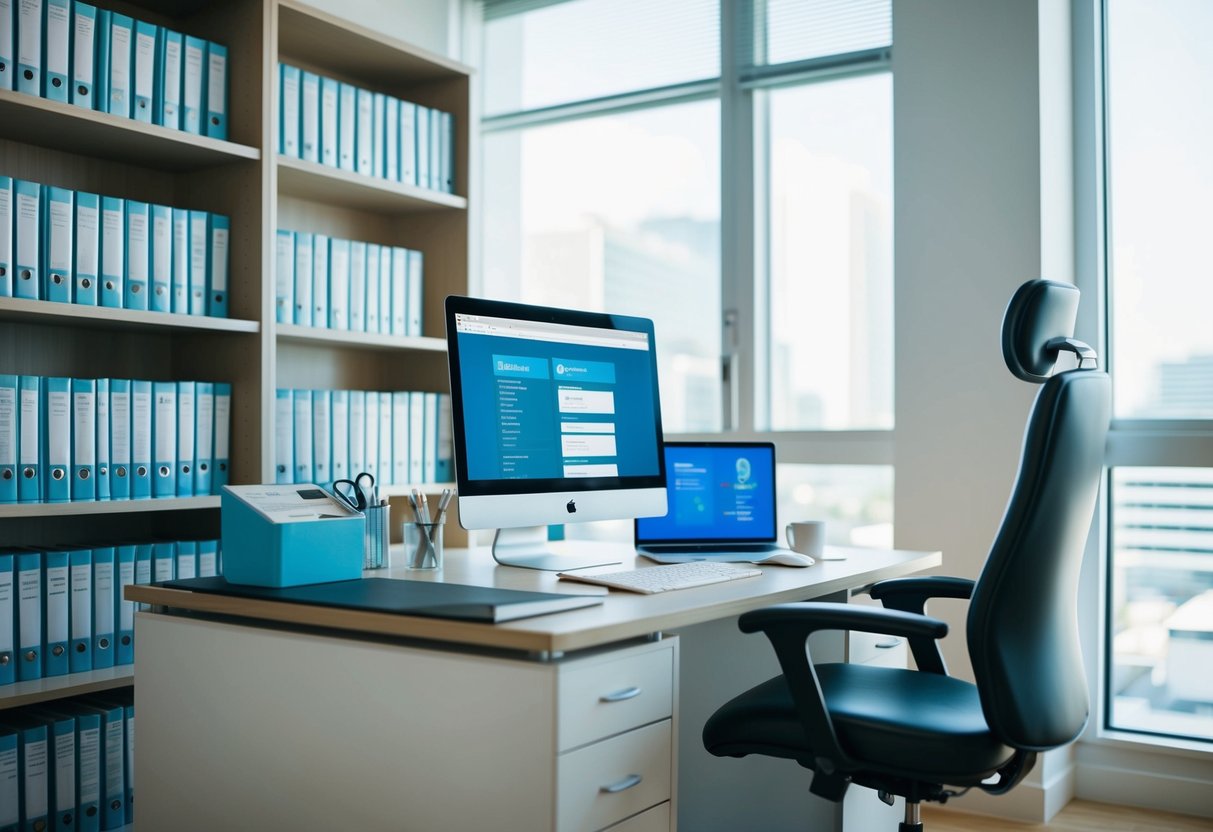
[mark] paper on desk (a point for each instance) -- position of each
(300, 503)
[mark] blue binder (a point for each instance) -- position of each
(80, 585)
(88, 249)
(193, 85)
(164, 439)
(84, 439)
(6, 218)
(10, 436)
(218, 264)
(8, 621)
(329, 117)
(138, 249)
(103, 439)
(167, 95)
(204, 437)
(143, 72)
(284, 277)
(89, 761)
(31, 470)
(8, 27)
(304, 266)
(187, 560)
(164, 561)
(161, 258)
(339, 436)
(199, 248)
(113, 252)
(33, 768)
(121, 38)
(113, 761)
(10, 780)
(186, 451)
(302, 431)
(128, 714)
(309, 117)
(101, 65)
(142, 408)
(208, 558)
(347, 122)
(216, 91)
(322, 433)
(180, 286)
(221, 464)
(284, 437)
(58, 226)
(30, 639)
(56, 28)
(29, 47)
(322, 248)
(124, 565)
(57, 439)
(84, 52)
(104, 617)
(61, 757)
(56, 617)
(143, 565)
(119, 439)
(27, 239)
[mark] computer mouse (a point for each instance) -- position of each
(788, 559)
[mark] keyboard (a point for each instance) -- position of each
(652, 579)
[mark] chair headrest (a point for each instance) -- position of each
(1038, 324)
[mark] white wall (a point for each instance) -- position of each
(430, 24)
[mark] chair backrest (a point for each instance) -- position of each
(1023, 622)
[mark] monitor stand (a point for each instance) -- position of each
(527, 548)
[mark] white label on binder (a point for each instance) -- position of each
(193, 77)
(120, 67)
(197, 249)
(120, 435)
(27, 226)
(82, 600)
(83, 53)
(8, 426)
(185, 423)
(162, 247)
(166, 414)
(86, 240)
(29, 416)
(216, 83)
(60, 251)
(145, 64)
(284, 439)
(219, 260)
(102, 425)
(35, 774)
(223, 414)
(172, 76)
(56, 603)
(137, 256)
(29, 36)
(86, 428)
(328, 123)
(126, 609)
(7, 642)
(29, 615)
(65, 770)
(141, 427)
(56, 38)
(111, 243)
(58, 414)
(103, 592)
(205, 430)
(90, 765)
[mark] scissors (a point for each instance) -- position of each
(358, 493)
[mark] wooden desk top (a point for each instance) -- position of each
(624, 615)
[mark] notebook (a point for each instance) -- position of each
(721, 498)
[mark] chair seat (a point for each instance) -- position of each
(921, 726)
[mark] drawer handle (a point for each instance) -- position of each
(885, 645)
(623, 785)
(620, 695)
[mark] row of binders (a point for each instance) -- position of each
(348, 284)
(62, 610)
(69, 765)
(75, 53)
(343, 126)
(75, 247)
(70, 439)
(399, 438)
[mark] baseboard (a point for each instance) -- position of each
(1144, 789)
(1029, 802)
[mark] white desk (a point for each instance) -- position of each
(259, 715)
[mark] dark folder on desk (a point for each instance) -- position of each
(401, 597)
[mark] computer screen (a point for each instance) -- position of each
(556, 413)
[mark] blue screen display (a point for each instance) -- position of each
(715, 493)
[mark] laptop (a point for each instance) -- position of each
(721, 498)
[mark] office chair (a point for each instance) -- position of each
(920, 733)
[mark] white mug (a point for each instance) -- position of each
(807, 537)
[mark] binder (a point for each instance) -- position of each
(385, 290)
(322, 437)
(288, 112)
(364, 155)
(88, 767)
(124, 635)
(329, 91)
(113, 252)
(384, 465)
(56, 604)
(143, 564)
(339, 435)
(193, 80)
(28, 566)
(208, 558)
(119, 428)
(370, 318)
(104, 617)
(187, 560)
(34, 770)
(429, 472)
(6, 215)
(416, 289)
(56, 29)
(179, 284)
(186, 450)
(216, 91)
(8, 624)
(167, 86)
(303, 279)
(284, 277)
(57, 443)
(80, 621)
(7, 52)
(400, 438)
(56, 243)
(29, 46)
(408, 143)
(347, 121)
(378, 113)
(102, 442)
(144, 72)
(113, 762)
(370, 436)
(302, 431)
(204, 437)
(31, 468)
(128, 754)
(356, 314)
(218, 261)
(101, 61)
(84, 439)
(357, 431)
(10, 770)
(164, 439)
(164, 560)
(161, 258)
(198, 262)
(141, 440)
(138, 248)
(220, 463)
(27, 215)
(424, 173)
(87, 238)
(400, 297)
(9, 438)
(446, 152)
(416, 436)
(435, 149)
(310, 117)
(61, 758)
(121, 37)
(391, 139)
(321, 246)
(340, 261)
(84, 34)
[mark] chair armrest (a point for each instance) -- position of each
(910, 595)
(805, 618)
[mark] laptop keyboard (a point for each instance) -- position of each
(708, 548)
(652, 579)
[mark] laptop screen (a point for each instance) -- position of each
(715, 492)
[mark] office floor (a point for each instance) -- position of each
(1078, 816)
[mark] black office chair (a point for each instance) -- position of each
(922, 734)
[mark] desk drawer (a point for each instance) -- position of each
(656, 819)
(614, 779)
(604, 698)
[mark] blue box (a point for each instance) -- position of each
(288, 535)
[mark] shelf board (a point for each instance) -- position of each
(293, 333)
(20, 310)
(83, 507)
(423, 487)
(321, 183)
(38, 121)
(57, 687)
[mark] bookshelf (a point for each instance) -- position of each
(244, 178)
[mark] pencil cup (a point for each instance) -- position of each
(375, 537)
(423, 545)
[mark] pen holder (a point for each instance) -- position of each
(375, 537)
(423, 545)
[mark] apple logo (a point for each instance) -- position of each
(571, 506)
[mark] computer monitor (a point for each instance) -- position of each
(556, 420)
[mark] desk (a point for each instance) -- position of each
(259, 715)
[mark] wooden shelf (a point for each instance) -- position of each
(52, 124)
(20, 310)
(57, 687)
(292, 333)
(107, 507)
(321, 183)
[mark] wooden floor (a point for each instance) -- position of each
(1078, 816)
